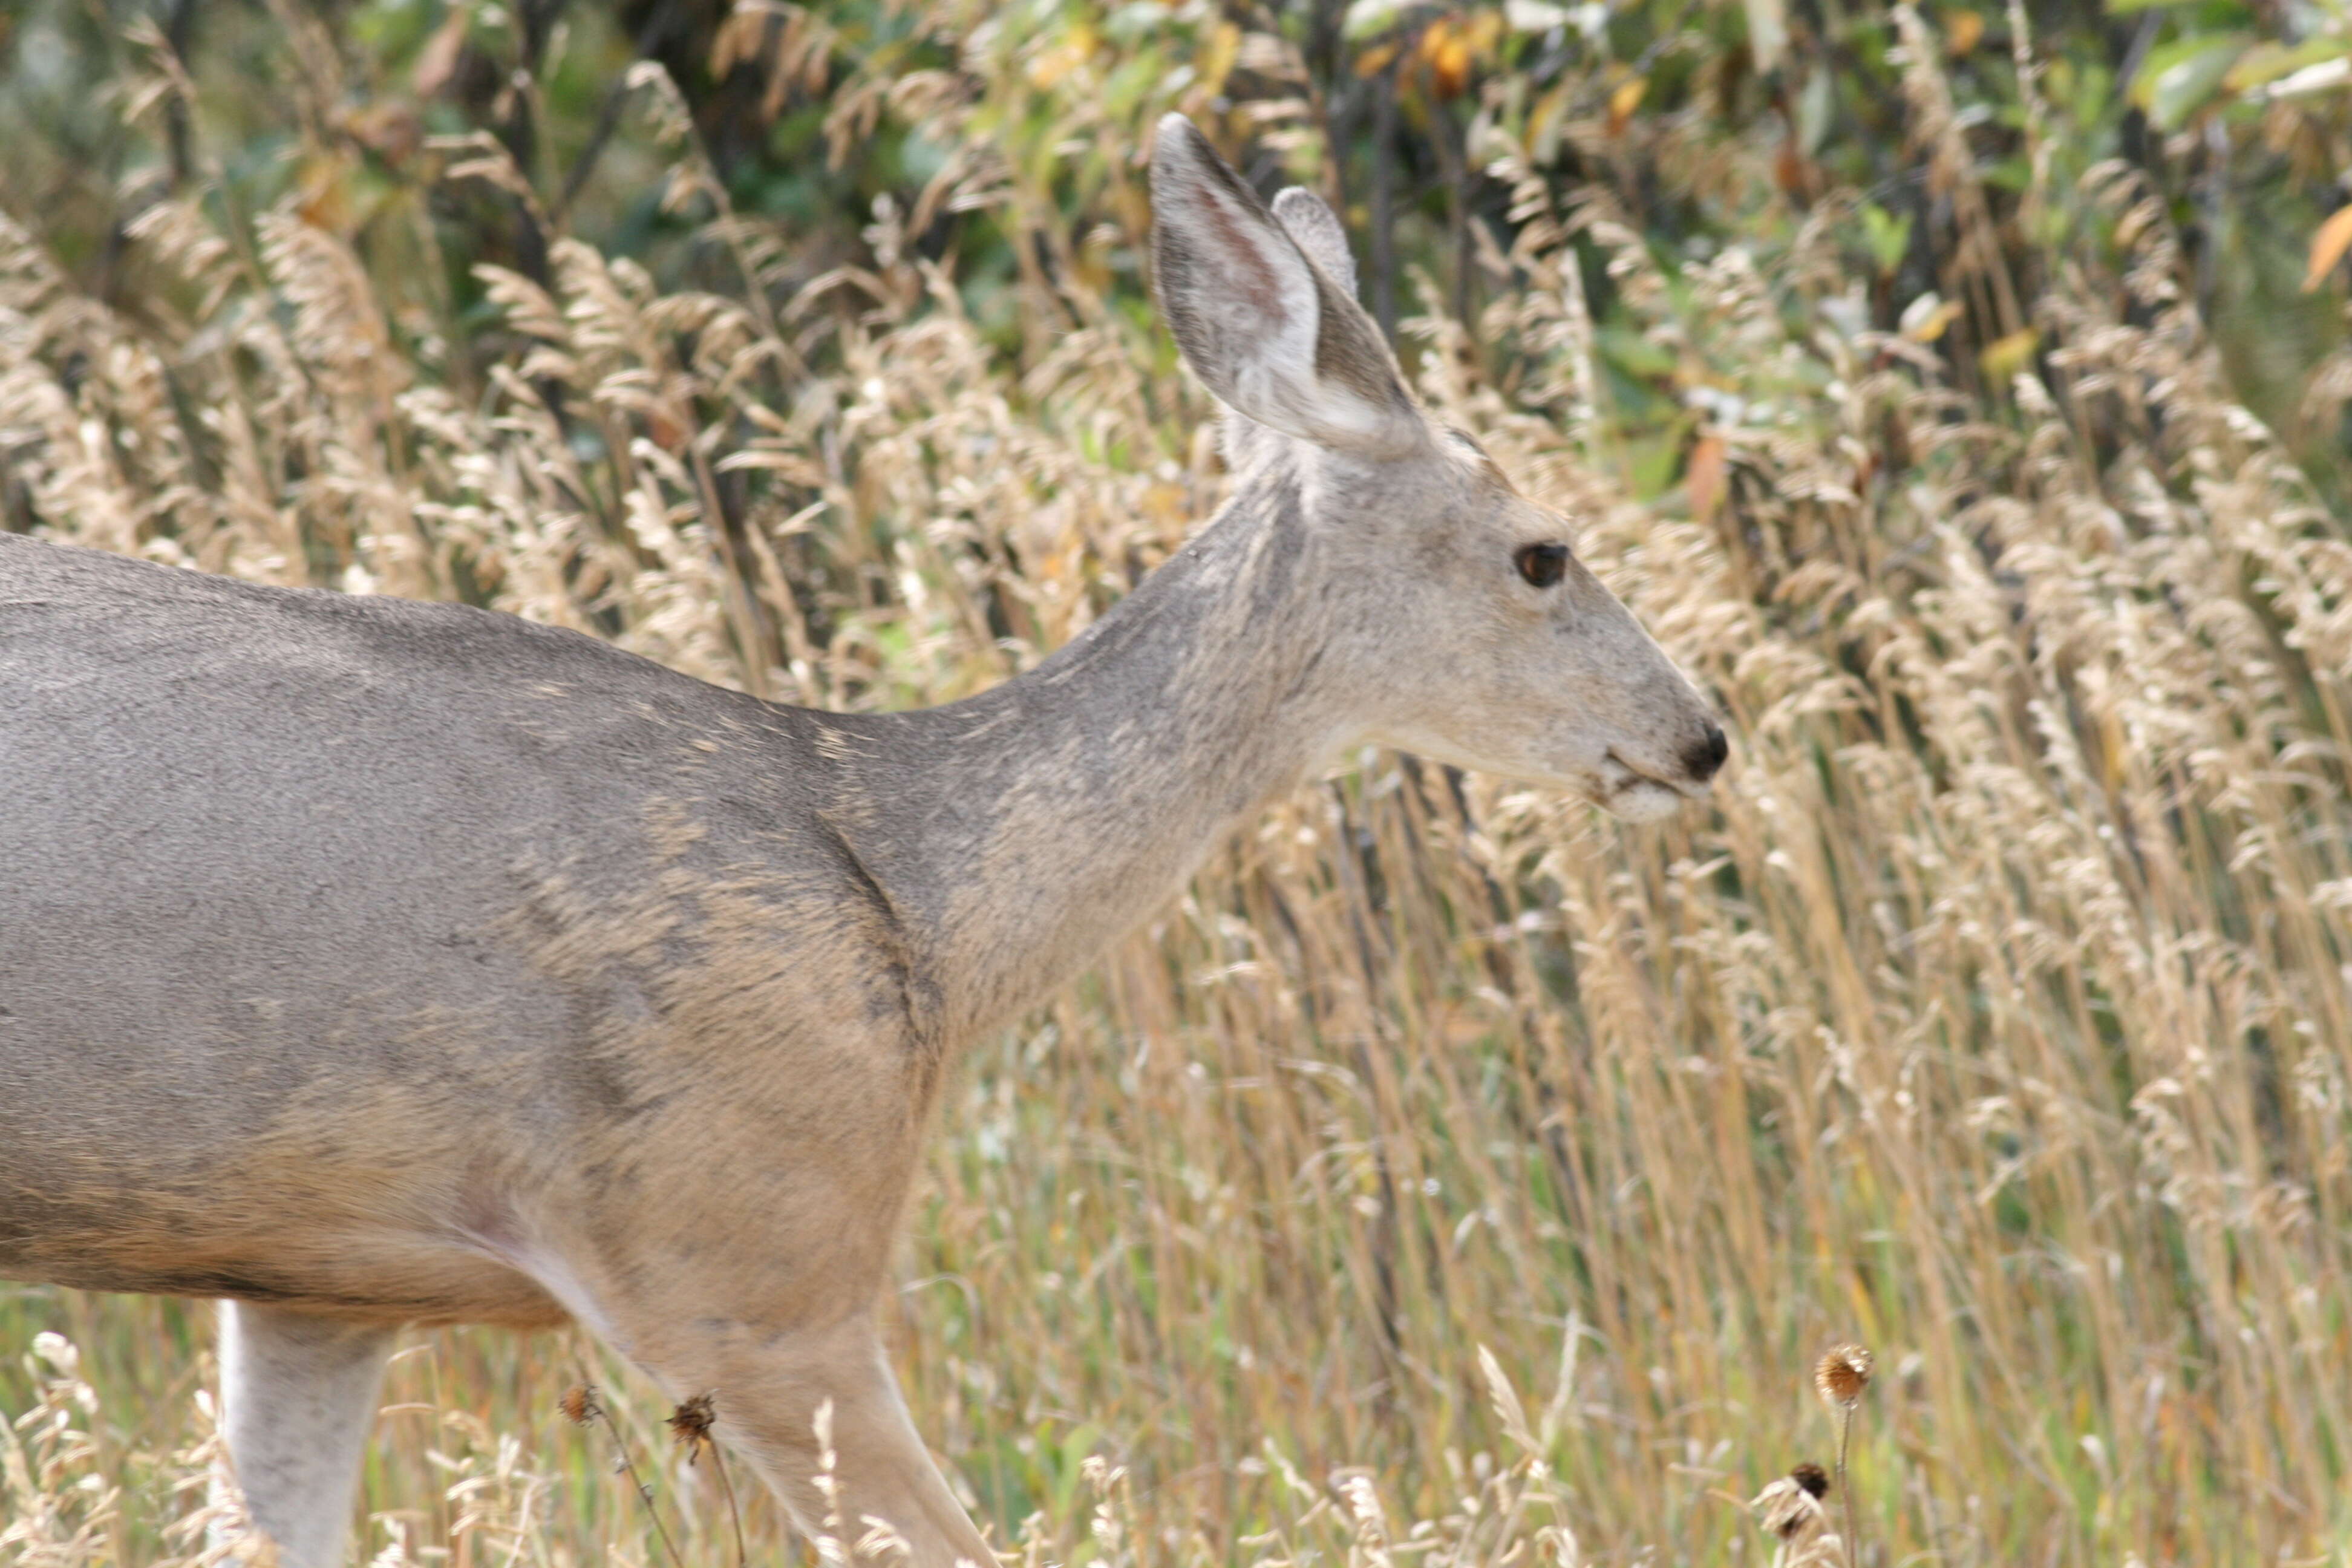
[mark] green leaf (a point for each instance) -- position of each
(1368, 18)
(1632, 353)
(2180, 77)
(1816, 102)
(1534, 16)
(2267, 62)
(1886, 236)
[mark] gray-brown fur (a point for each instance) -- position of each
(390, 962)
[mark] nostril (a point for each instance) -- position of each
(1704, 758)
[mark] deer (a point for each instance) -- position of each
(368, 963)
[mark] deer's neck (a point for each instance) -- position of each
(1019, 832)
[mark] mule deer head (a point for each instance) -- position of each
(1476, 636)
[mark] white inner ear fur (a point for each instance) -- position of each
(1312, 223)
(1275, 315)
(1247, 306)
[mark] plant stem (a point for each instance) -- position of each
(1845, 1492)
(727, 1484)
(643, 1488)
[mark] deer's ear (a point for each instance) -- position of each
(1309, 220)
(1269, 331)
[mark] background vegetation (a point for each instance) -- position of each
(1960, 391)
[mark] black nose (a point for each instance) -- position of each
(1702, 759)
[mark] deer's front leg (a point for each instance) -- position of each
(734, 1243)
(769, 1388)
(881, 1473)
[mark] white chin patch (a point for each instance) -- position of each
(1642, 801)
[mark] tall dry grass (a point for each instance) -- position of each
(1995, 1013)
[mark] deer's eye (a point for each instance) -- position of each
(1542, 565)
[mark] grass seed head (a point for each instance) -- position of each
(1789, 1508)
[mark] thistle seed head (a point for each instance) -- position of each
(1842, 1375)
(690, 1423)
(579, 1404)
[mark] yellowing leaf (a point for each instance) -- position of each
(1056, 61)
(2003, 358)
(1963, 30)
(1445, 50)
(1705, 476)
(1544, 122)
(1624, 101)
(2269, 60)
(2327, 247)
(1925, 318)
(1373, 61)
(1216, 61)
(1048, 68)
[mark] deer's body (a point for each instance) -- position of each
(369, 962)
(506, 937)
(439, 872)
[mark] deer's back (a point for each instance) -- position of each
(326, 915)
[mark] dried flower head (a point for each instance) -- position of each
(1842, 1375)
(579, 1404)
(1813, 1478)
(1790, 1509)
(690, 1424)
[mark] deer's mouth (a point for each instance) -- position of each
(1627, 792)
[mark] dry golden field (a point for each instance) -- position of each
(1453, 1175)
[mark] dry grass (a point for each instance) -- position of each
(1995, 1016)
